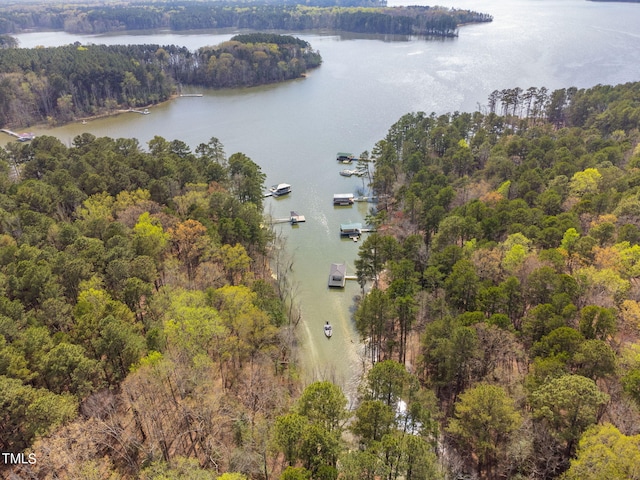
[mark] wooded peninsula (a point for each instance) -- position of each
(60, 84)
(142, 335)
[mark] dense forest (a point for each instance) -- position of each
(504, 274)
(137, 307)
(59, 84)
(362, 17)
(142, 335)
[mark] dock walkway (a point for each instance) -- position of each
(294, 218)
(22, 137)
(366, 199)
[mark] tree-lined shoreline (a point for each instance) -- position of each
(186, 15)
(62, 84)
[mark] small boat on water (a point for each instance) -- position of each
(280, 189)
(328, 330)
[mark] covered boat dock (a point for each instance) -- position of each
(337, 275)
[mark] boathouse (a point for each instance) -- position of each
(343, 199)
(337, 275)
(350, 229)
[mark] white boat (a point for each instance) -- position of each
(358, 172)
(280, 189)
(328, 330)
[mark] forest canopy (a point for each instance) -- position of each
(504, 264)
(500, 305)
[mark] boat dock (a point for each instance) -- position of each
(343, 199)
(293, 219)
(354, 230)
(296, 218)
(350, 229)
(141, 112)
(279, 190)
(365, 199)
(190, 94)
(337, 275)
(22, 137)
(344, 157)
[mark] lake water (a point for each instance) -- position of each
(365, 84)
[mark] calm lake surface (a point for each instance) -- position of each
(365, 84)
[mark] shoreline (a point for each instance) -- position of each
(172, 97)
(84, 120)
(113, 113)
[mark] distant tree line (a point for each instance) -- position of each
(62, 83)
(603, 106)
(437, 21)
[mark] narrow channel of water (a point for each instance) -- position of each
(294, 130)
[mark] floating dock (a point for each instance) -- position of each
(141, 112)
(344, 157)
(294, 218)
(354, 230)
(22, 137)
(365, 199)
